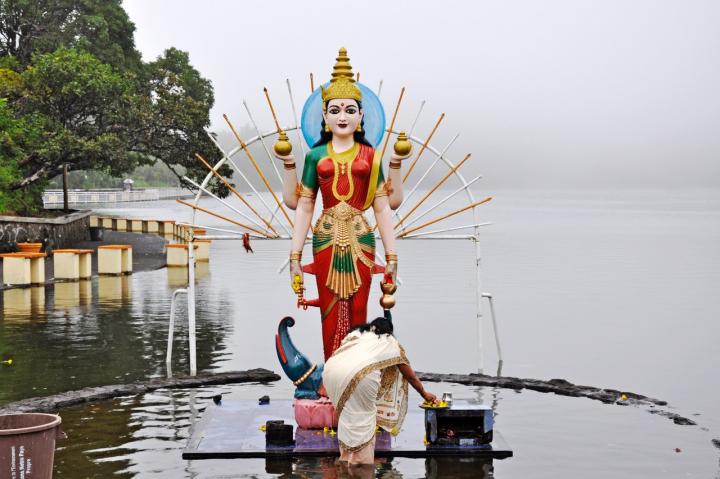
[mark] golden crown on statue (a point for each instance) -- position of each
(342, 84)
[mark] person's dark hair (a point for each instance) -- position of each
(378, 326)
(326, 136)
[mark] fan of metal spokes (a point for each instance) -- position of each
(263, 215)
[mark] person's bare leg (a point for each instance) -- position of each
(364, 456)
(344, 456)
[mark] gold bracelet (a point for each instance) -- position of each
(391, 257)
(304, 191)
(295, 255)
(289, 166)
(395, 166)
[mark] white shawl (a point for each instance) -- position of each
(359, 355)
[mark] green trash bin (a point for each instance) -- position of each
(27, 445)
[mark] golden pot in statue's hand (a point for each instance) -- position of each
(387, 301)
(402, 146)
(282, 146)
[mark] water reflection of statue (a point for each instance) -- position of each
(347, 171)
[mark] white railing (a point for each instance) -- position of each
(55, 197)
(172, 193)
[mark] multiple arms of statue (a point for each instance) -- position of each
(395, 179)
(381, 207)
(290, 197)
(303, 218)
(304, 208)
(290, 182)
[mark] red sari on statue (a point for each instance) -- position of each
(343, 242)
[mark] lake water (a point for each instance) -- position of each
(612, 289)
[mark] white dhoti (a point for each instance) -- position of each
(366, 387)
(357, 421)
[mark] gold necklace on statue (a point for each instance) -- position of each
(342, 163)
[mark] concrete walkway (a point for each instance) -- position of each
(148, 253)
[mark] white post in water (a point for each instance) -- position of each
(191, 306)
(478, 293)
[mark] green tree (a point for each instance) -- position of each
(16, 137)
(85, 104)
(94, 119)
(72, 66)
(100, 27)
(176, 108)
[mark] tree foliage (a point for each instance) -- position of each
(70, 69)
(100, 27)
(84, 104)
(177, 106)
(16, 137)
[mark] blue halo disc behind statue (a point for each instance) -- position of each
(374, 116)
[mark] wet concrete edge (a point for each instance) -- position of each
(563, 388)
(556, 386)
(99, 393)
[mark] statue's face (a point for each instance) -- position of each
(343, 116)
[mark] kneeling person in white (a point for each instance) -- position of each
(367, 379)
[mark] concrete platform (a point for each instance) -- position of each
(148, 253)
(232, 430)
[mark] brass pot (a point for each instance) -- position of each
(402, 146)
(282, 146)
(387, 301)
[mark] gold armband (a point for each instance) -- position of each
(295, 255)
(385, 189)
(395, 165)
(382, 191)
(289, 166)
(391, 257)
(303, 190)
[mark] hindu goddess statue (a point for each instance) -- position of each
(347, 172)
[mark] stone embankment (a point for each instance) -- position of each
(563, 388)
(59, 232)
(100, 393)
(556, 386)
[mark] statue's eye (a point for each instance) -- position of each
(351, 111)
(334, 111)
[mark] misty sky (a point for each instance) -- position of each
(544, 94)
